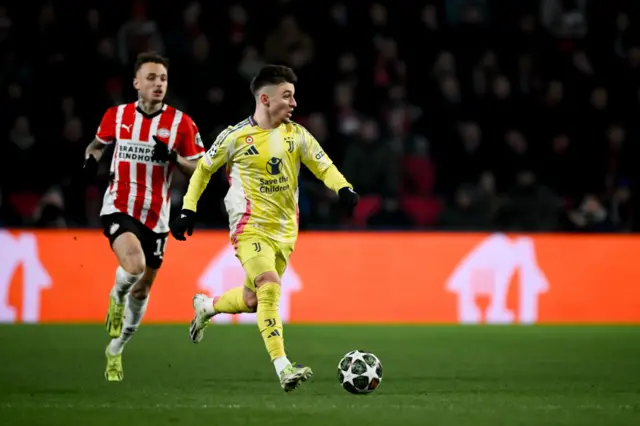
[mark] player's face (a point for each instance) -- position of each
(151, 82)
(282, 103)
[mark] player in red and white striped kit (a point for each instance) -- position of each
(151, 139)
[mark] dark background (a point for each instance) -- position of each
(449, 114)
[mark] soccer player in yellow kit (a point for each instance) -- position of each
(262, 155)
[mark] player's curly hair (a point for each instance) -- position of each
(150, 57)
(272, 75)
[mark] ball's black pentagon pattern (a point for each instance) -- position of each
(358, 366)
(361, 382)
(345, 363)
(350, 388)
(370, 360)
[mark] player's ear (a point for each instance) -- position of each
(136, 84)
(264, 99)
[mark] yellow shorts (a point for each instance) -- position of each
(259, 254)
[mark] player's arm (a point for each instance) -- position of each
(316, 160)
(95, 149)
(206, 166)
(105, 135)
(161, 153)
(190, 146)
(186, 166)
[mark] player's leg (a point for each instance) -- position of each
(131, 257)
(135, 308)
(125, 243)
(262, 269)
(233, 301)
(250, 298)
(237, 300)
(153, 245)
(268, 291)
(136, 300)
(291, 375)
(241, 299)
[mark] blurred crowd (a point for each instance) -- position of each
(444, 114)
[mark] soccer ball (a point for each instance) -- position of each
(360, 372)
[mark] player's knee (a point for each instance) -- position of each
(267, 277)
(129, 251)
(140, 292)
(134, 263)
(142, 288)
(250, 299)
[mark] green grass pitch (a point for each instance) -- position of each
(497, 375)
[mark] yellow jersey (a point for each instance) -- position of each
(263, 167)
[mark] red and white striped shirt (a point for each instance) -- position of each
(140, 186)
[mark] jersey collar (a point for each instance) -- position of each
(151, 116)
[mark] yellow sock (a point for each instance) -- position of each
(269, 321)
(231, 302)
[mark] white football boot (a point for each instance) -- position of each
(201, 318)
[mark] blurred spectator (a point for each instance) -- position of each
(138, 34)
(50, 211)
(530, 206)
(390, 216)
(488, 198)
(369, 163)
(5, 24)
(466, 211)
(564, 18)
(250, 63)
(589, 216)
(561, 166)
(512, 115)
(288, 39)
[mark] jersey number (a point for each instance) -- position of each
(256, 247)
(160, 245)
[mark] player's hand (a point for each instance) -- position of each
(90, 167)
(161, 152)
(184, 223)
(348, 199)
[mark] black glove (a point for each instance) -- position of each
(348, 199)
(161, 152)
(90, 167)
(184, 223)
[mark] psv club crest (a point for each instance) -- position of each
(164, 133)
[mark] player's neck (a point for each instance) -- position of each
(265, 122)
(149, 107)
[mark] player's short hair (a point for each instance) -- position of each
(272, 75)
(150, 57)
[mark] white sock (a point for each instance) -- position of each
(280, 364)
(134, 310)
(208, 306)
(124, 282)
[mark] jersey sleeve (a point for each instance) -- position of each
(190, 144)
(212, 160)
(107, 129)
(316, 160)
